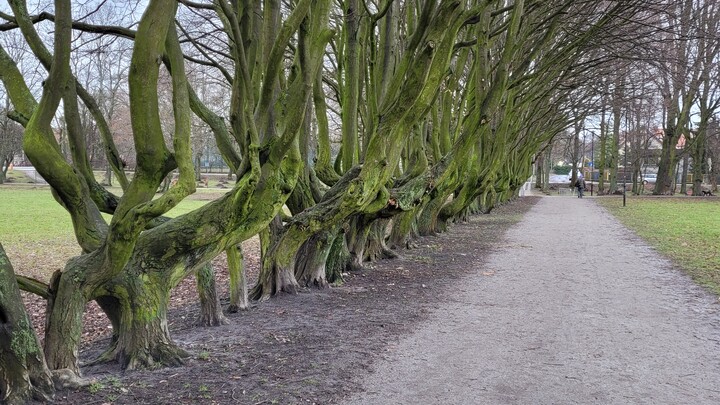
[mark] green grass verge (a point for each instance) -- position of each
(37, 232)
(29, 215)
(685, 229)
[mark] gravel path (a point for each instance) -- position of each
(542, 324)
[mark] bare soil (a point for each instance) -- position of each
(315, 347)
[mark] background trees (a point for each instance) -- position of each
(10, 142)
(650, 97)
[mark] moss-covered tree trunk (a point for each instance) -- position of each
(350, 92)
(238, 281)
(128, 267)
(427, 221)
(210, 310)
(403, 231)
(23, 373)
(64, 323)
(310, 266)
(376, 243)
(277, 265)
(337, 259)
(143, 339)
(357, 238)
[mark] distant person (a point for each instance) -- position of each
(580, 185)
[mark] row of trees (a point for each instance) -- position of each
(440, 106)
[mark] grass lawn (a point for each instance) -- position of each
(685, 229)
(37, 232)
(16, 176)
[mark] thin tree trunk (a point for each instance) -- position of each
(699, 159)
(539, 165)
(108, 176)
(614, 160)
(546, 173)
(210, 309)
(238, 281)
(685, 170)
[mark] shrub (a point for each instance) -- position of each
(562, 169)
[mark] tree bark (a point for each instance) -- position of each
(210, 310)
(238, 282)
(143, 339)
(684, 176)
(310, 261)
(357, 236)
(64, 323)
(404, 230)
(337, 259)
(23, 372)
(376, 246)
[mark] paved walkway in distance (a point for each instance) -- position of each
(615, 324)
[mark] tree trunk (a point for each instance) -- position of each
(4, 167)
(427, 221)
(310, 261)
(275, 278)
(238, 282)
(198, 173)
(64, 322)
(602, 162)
(23, 373)
(337, 259)
(699, 159)
(108, 176)
(351, 85)
(546, 173)
(210, 309)
(357, 236)
(683, 178)
(488, 201)
(376, 248)
(276, 274)
(637, 180)
(614, 160)
(714, 173)
(404, 230)
(539, 166)
(666, 172)
(143, 338)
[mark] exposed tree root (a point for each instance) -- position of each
(157, 356)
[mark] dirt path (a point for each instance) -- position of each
(614, 324)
